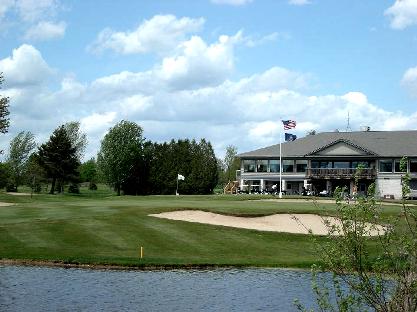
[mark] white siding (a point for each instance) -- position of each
(389, 186)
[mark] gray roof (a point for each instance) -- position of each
(378, 143)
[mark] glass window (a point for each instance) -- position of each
(274, 165)
(248, 165)
(364, 164)
(385, 165)
(301, 165)
(413, 165)
(288, 165)
(325, 164)
(315, 164)
(261, 165)
(397, 165)
(341, 164)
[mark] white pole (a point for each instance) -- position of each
(280, 164)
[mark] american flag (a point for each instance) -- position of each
(289, 124)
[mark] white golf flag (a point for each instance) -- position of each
(181, 177)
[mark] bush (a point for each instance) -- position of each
(11, 188)
(74, 188)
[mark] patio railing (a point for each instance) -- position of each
(347, 173)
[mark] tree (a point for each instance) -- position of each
(120, 150)
(4, 174)
(36, 173)
(381, 272)
(59, 158)
(88, 172)
(4, 110)
(194, 160)
(231, 163)
(20, 148)
(77, 138)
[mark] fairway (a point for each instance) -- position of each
(100, 228)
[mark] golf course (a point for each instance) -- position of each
(99, 228)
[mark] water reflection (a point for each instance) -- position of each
(58, 289)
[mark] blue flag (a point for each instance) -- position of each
(290, 137)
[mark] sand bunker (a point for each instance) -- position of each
(18, 194)
(5, 204)
(289, 223)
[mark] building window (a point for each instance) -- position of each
(301, 165)
(315, 164)
(274, 165)
(288, 165)
(385, 165)
(341, 164)
(325, 164)
(261, 165)
(413, 165)
(363, 164)
(397, 165)
(248, 165)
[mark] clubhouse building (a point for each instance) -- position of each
(323, 161)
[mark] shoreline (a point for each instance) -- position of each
(146, 267)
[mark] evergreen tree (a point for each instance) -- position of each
(195, 161)
(59, 158)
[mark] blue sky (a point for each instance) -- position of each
(226, 70)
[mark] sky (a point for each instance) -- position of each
(225, 70)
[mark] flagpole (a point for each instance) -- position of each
(176, 192)
(280, 164)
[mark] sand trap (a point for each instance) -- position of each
(18, 194)
(5, 204)
(288, 223)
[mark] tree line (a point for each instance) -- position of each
(126, 161)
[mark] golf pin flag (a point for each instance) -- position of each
(180, 177)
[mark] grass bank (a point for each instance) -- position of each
(102, 229)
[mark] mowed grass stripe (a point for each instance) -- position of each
(98, 228)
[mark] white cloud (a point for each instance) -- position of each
(46, 31)
(299, 2)
(403, 13)
(158, 34)
(97, 123)
(232, 2)
(199, 64)
(5, 5)
(409, 80)
(189, 94)
(25, 67)
(34, 10)
(35, 18)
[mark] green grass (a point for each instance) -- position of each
(100, 228)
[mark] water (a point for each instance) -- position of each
(59, 289)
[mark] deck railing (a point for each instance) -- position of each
(340, 173)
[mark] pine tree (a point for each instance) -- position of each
(59, 158)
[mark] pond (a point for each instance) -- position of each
(58, 289)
